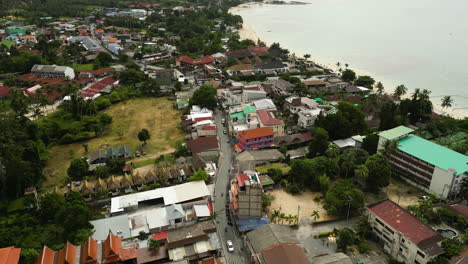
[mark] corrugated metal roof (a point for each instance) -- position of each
(433, 153)
(396, 132)
(171, 195)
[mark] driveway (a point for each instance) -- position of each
(221, 187)
(315, 246)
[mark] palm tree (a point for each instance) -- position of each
(424, 95)
(282, 217)
(346, 65)
(290, 218)
(416, 94)
(306, 56)
(275, 215)
(400, 90)
(296, 219)
(380, 88)
(389, 147)
(347, 163)
(338, 65)
(447, 101)
(315, 215)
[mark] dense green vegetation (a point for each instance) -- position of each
(346, 122)
(52, 222)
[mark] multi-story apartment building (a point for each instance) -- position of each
(427, 165)
(246, 196)
(402, 235)
(256, 138)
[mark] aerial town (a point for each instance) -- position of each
(149, 132)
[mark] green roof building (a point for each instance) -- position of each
(425, 164)
(249, 109)
(16, 31)
(395, 133)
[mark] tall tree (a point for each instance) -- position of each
(144, 135)
(343, 195)
(315, 215)
(365, 81)
(348, 75)
(345, 237)
(348, 121)
(205, 96)
(447, 101)
(379, 172)
(370, 142)
(380, 88)
(319, 142)
(399, 91)
(78, 169)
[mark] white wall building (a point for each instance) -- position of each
(427, 165)
(402, 235)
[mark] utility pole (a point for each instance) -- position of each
(349, 207)
(298, 208)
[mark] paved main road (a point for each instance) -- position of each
(221, 185)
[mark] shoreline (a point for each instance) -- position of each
(248, 32)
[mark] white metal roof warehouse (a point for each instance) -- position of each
(171, 195)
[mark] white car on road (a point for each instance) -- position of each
(230, 246)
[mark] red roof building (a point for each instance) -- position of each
(398, 229)
(458, 208)
(242, 178)
(258, 50)
(9, 255)
(102, 71)
(159, 236)
(267, 119)
(284, 253)
(187, 61)
(213, 127)
(203, 144)
(4, 91)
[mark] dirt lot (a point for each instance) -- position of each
(155, 114)
(289, 203)
(398, 191)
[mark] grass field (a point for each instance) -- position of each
(282, 166)
(83, 67)
(155, 114)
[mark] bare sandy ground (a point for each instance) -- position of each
(289, 204)
(399, 192)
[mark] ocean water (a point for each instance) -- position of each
(418, 43)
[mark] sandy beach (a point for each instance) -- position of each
(248, 32)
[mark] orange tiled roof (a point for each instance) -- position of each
(47, 256)
(112, 247)
(112, 40)
(28, 37)
(70, 252)
(89, 250)
(256, 133)
(9, 255)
